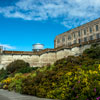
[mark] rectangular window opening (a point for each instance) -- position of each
(91, 37)
(90, 30)
(97, 28)
(84, 32)
(85, 39)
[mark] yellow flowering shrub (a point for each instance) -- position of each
(99, 67)
(7, 81)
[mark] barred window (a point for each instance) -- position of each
(84, 32)
(91, 37)
(79, 40)
(69, 37)
(98, 35)
(90, 29)
(85, 39)
(74, 35)
(79, 33)
(97, 28)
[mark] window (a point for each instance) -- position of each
(91, 37)
(75, 42)
(90, 30)
(69, 37)
(98, 35)
(84, 32)
(79, 33)
(63, 39)
(79, 40)
(97, 28)
(74, 35)
(85, 39)
(58, 41)
(69, 43)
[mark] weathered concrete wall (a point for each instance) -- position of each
(44, 59)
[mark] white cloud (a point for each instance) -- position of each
(7, 46)
(68, 10)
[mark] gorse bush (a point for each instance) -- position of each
(71, 78)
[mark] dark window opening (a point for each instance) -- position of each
(98, 35)
(90, 30)
(84, 32)
(69, 37)
(97, 28)
(79, 40)
(85, 39)
(91, 37)
(74, 35)
(79, 33)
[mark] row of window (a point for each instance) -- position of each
(79, 34)
(85, 32)
(85, 39)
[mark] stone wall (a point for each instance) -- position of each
(43, 59)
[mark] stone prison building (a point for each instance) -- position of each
(72, 42)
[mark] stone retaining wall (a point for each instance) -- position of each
(43, 59)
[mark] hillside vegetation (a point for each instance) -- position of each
(71, 78)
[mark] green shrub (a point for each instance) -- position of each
(93, 52)
(27, 69)
(3, 74)
(17, 65)
(16, 83)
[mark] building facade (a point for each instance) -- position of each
(80, 35)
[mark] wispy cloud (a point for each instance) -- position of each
(7, 46)
(70, 12)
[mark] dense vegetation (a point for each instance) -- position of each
(18, 66)
(72, 78)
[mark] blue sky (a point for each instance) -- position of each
(26, 22)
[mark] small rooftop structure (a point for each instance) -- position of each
(38, 47)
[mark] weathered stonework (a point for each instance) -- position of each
(43, 59)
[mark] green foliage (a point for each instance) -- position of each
(3, 74)
(93, 52)
(16, 83)
(17, 65)
(27, 69)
